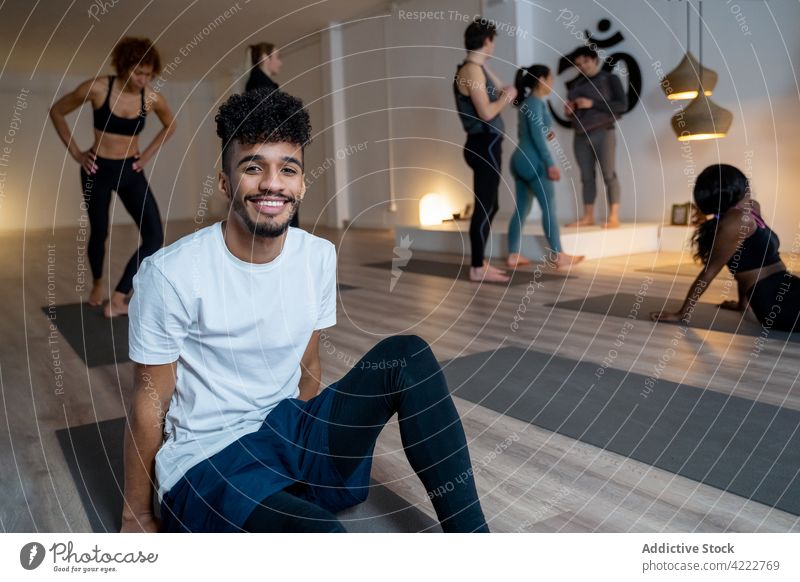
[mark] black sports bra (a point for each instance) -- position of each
(107, 122)
(758, 250)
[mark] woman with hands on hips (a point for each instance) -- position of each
(114, 162)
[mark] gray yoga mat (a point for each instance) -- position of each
(94, 454)
(98, 341)
(737, 445)
(455, 271)
(679, 270)
(705, 315)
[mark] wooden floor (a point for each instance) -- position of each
(542, 482)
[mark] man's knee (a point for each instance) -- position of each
(404, 345)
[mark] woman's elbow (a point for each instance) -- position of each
(170, 130)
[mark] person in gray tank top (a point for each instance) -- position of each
(480, 97)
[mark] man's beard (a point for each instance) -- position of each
(268, 229)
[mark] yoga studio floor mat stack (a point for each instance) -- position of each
(98, 341)
(453, 271)
(705, 315)
(94, 453)
(737, 445)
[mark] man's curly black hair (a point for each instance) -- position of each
(259, 116)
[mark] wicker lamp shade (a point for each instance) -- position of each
(702, 119)
(685, 79)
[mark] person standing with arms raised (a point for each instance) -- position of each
(479, 101)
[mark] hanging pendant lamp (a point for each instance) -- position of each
(702, 118)
(683, 80)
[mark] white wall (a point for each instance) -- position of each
(41, 185)
(365, 95)
(302, 76)
(394, 66)
(757, 82)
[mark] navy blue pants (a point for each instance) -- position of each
(312, 459)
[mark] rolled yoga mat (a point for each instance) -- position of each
(94, 453)
(734, 444)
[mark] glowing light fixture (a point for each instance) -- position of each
(433, 209)
(682, 82)
(702, 118)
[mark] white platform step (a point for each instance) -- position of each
(676, 238)
(593, 241)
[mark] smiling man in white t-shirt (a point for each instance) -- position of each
(227, 419)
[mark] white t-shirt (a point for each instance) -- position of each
(238, 331)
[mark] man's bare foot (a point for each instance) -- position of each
(487, 274)
(96, 296)
(116, 306)
(585, 221)
(515, 260)
(565, 261)
(612, 223)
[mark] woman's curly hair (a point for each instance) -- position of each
(259, 116)
(132, 51)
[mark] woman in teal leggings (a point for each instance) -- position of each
(533, 167)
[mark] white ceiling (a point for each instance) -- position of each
(61, 36)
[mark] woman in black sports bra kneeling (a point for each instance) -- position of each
(738, 237)
(114, 162)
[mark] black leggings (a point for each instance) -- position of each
(134, 191)
(776, 301)
(483, 153)
(399, 375)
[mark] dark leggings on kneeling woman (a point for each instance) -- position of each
(775, 300)
(134, 191)
(410, 384)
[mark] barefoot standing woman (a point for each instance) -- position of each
(480, 97)
(533, 168)
(114, 163)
